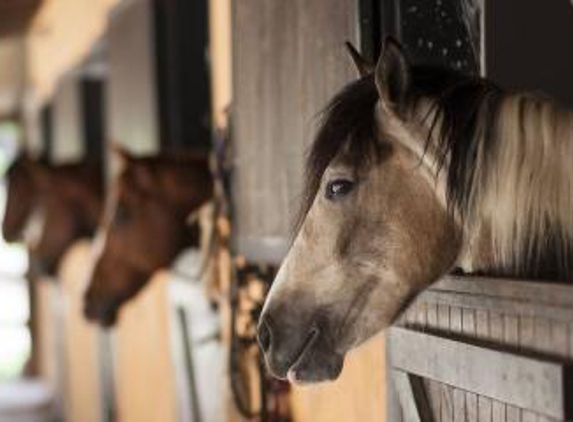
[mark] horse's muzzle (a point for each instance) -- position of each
(104, 314)
(302, 355)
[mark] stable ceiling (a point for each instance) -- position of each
(15, 15)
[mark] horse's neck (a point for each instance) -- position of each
(187, 186)
(523, 202)
(81, 191)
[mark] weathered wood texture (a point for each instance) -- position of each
(288, 61)
(83, 387)
(521, 326)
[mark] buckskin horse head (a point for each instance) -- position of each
(144, 226)
(49, 207)
(415, 171)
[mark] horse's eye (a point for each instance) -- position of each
(338, 188)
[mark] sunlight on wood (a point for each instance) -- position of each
(350, 397)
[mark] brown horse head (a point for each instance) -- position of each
(69, 205)
(51, 206)
(21, 198)
(144, 226)
(380, 221)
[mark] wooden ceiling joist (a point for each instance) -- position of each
(15, 15)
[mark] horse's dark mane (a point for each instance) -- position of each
(348, 124)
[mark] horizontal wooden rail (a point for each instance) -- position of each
(533, 384)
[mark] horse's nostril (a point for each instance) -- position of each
(264, 335)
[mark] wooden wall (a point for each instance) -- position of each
(83, 398)
(288, 61)
(358, 395)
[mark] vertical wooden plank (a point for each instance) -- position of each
(456, 320)
(550, 337)
(559, 338)
(512, 414)
(469, 329)
(526, 333)
(484, 409)
(413, 397)
(511, 330)
(527, 416)
(511, 337)
(498, 412)
(482, 324)
(446, 406)
(471, 407)
(447, 403)
(496, 327)
(570, 341)
(422, 320)
(496, 333)
(542, 335)
(432, 316)
(433, 388)
(459, 406)
(527, 342)
(411, 315)
(483, 332)
(435, 399)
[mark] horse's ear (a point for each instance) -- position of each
(40, 172)
(121, 154)
(144, 177)
(393, 74)
(363, 67)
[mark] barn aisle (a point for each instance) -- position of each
(26, 400)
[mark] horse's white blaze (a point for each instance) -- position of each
(34, 228)
(100, 239)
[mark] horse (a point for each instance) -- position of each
(49, 207)
(416, 171)
(21, 198)
(144, 226)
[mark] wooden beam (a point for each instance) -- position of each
(413, 398)
(554, 294)
(533, 384)
(495, 303)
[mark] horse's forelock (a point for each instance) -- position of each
(347, 125)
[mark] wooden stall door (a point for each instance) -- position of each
(484, 350)
(168, 349)
(84, 389)
(145, 373)
(49, 340)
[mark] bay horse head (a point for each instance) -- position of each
(144, 226)
(20, 198)
(51, 206)
(415, 170)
